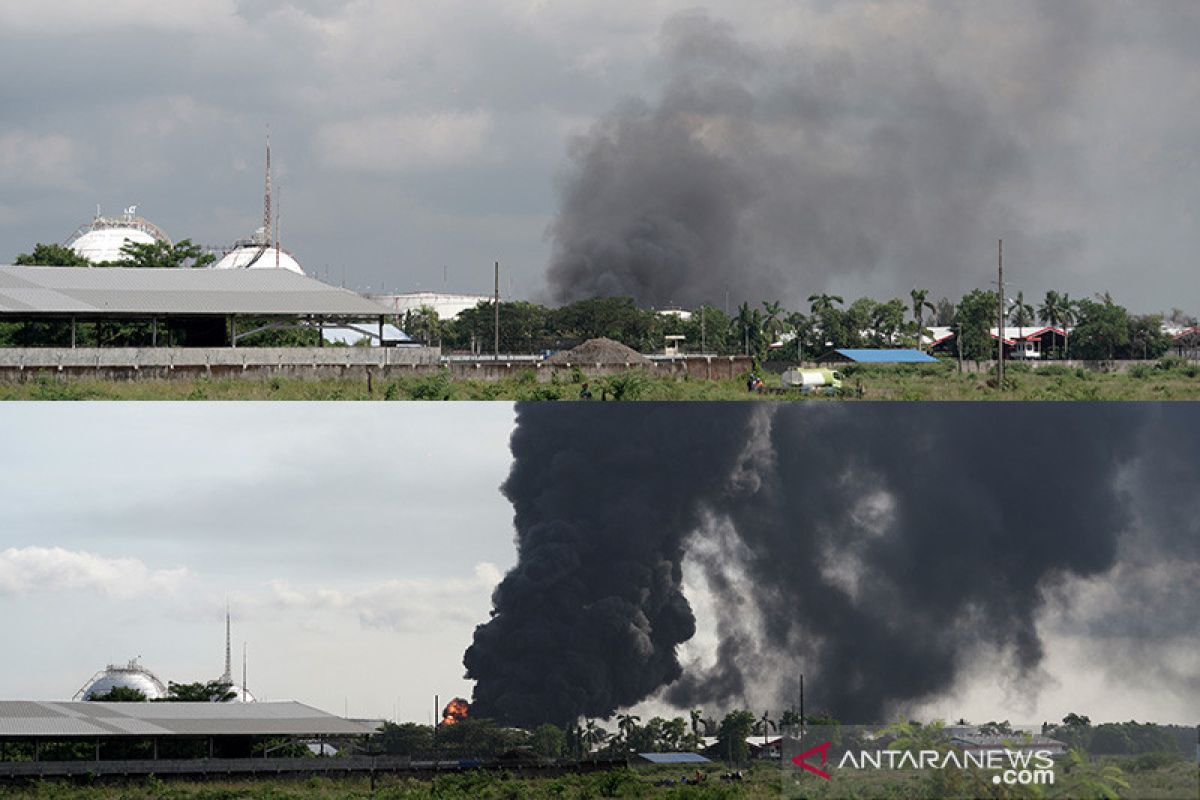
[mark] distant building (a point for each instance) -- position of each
(257, 250)
(446, 305)
(101, 240)
(124, 676)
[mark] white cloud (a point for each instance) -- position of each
(27, 570)
(397, 605)
(402, 142)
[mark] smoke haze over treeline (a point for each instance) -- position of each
(887, 148)
(880, 549)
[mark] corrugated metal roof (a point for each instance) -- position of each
(675, 758)
(126, 290)
(85, 718)
(887, 356)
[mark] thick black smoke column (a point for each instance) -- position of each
(772, 171)
(604, 495)
(881, 548)
(886, 543)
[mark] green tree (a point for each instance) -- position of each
(765, 725)
(160, 255)
(1103, 330)
(120, 694)
(920, 302)
(1081, 777)
(548, 741)
(593, 735)
(857, 323)
(616, 318)
(710, 329)
(627, 724)
(407, 739)
(51, 255)
(1147, 339)
(772, 319)
(732, 733)
(1021, 313)
(828, 319)
(1070, 315)
(423, 324)
(210, 692)
(697, 715)
(887, 323)
(1052, 310)
(975, 319)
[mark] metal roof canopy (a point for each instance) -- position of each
(881, 356)
(30, 719)
(141, 292)
(675, 758)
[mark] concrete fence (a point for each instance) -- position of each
(19, 365)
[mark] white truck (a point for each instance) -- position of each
(827, 381)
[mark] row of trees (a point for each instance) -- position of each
(200, 692)
(1099, 327)
(483, 738)
(155, 255)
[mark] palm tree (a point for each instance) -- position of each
(1069, 313)
(766, 723)
(822, 304)
(627, 724)
(1021, 315)
(1051, 311)
(920, 302)
(822, 309)
(773, 320)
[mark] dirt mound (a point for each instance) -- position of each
(599, 351)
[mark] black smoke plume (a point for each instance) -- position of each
(879, 548)
(590, 618)
(773, 171)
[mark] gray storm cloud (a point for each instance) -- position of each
(879, 549)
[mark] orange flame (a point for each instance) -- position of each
(455, 711)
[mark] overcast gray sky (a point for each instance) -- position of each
(410, 136)
(359, 543)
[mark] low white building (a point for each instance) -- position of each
(447, 305)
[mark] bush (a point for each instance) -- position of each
(1139, 371)
(431, 387)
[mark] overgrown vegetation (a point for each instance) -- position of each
(1168, 379)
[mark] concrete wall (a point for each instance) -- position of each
(18, 365)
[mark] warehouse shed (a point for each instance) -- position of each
(98, 731)
(217, 298)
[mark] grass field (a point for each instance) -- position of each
(1169, 380)
(1160, 782)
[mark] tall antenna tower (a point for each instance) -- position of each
(228, 676)
(267, 192)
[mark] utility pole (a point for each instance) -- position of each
(802, 731)
(703, 340)
(1000, 330)
(496, 322)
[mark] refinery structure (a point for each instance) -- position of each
(100, 241)
(135, 676)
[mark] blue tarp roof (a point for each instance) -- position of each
(887, 356)
(675, 758)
